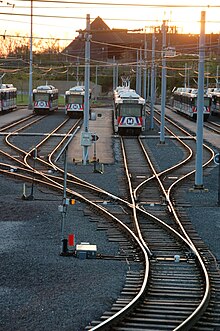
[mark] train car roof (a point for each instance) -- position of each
(6, 87)
(77, 90)
(129, 97)
(128, 93)
(45, 88)
(215, 94)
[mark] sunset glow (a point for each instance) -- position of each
(61, 20)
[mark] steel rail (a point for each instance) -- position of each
(2, 129)
(193, 318)
(120, 314)
(106, 322)
(51, 164)
(187, 322)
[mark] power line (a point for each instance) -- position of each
(127, 4)
(83, 18)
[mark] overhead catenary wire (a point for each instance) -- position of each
(127, 4)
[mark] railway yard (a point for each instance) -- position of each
(157, 236)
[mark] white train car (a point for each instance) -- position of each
(129, 111)
(214, 94)
(74, 101)
(8, 98)
(185, 102)
(45, 99)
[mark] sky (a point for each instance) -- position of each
(61, 19)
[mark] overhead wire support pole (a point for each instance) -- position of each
(140, 73)
(31, 61)
(63, 207)
(163, 85)
(200, 107)
(145, 69)
(137, 70)
(152, 93)
(114, 80)
(87, 80)
(116, 75)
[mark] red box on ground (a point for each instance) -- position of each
(71, 239)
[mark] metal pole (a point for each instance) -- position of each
(152, 93)
(94, 156)
(200, 107)
(140, 73)
(145, 69)
(87, 80)
(185, 76)
(113, 81)
(77, 71)
(96, 82)
(188, 78)
(218, 203)
(217, 75)
(116, 75)
(64, 207)
(148, 84)
(163, 86)
(31, 61)
(137, 73)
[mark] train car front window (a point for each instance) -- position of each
(207, 102)
(76, 99)
(130, 110)
(41, 97)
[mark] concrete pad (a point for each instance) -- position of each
(102, 127)
(14, 116)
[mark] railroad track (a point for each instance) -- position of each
(213, 126)
(166, 285)
(194, 290)
(153, 240)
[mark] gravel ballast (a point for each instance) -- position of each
(41, 290)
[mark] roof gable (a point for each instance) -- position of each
(99, 24)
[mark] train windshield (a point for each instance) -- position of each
(207, 102)
(130, 110)
(76, 99)
(41, 97)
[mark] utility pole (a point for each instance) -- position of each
(145, 70)
(140, 73)
(200, 107)
(152, 93)
(31, 61)
(87, 80)
(137, 71)
(163, 85)
(217, 76)
(96, 82)
(63, 207)
(77, 71)
(185, 76)
(114, 74)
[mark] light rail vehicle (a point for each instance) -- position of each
(45, 99)
(129, 112)
(74, 101)
(184, 101)
(8, 98)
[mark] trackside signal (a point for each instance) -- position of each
(95, 137)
